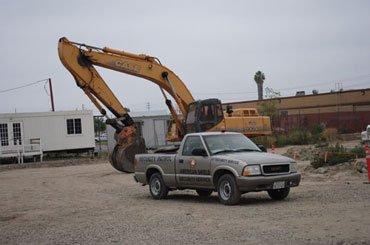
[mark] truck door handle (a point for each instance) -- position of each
(181, 160)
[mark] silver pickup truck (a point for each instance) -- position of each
(228, 163)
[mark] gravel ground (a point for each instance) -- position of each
(96, 204)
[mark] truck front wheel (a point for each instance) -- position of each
(279, 194)
(227, 189)
(157, 187)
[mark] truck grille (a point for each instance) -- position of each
(276, 169)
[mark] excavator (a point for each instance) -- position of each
(190, 116)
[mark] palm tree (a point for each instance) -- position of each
(259, 78)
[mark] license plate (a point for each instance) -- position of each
(278, 185)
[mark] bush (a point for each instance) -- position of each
(267, 141)
(330, 134)
(333, 155)
(299, 137)
(281, 140)
(359, 151)
(294, 137)
(317, 129)
(317, 133)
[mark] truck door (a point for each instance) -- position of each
(193, 170)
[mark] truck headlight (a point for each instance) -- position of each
(252, 170)
(293, 167)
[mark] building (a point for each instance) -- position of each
(348, 111)
(152, 126)
(30, 134)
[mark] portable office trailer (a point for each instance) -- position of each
(48, 131)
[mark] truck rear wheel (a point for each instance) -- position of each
(204, 192)
(157, 187)
(227, 189)
(279, 194)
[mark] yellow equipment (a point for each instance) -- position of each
(195, 116)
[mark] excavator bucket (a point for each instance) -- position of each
(128, 145)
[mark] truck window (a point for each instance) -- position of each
(229, 142)
(191, 143)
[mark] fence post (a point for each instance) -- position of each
(367, 152)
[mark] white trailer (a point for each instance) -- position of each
(29, 134)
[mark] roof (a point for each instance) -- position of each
(212, 133)
(300, 96)
(45, 114)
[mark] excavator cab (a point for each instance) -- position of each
(203, 115)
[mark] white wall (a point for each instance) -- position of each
(51, 128)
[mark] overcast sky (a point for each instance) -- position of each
(214, 46)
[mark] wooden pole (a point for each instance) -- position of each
(51, 95)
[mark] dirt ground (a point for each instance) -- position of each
(94, 203)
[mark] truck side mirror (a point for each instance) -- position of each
(262, 148)
(199, 152)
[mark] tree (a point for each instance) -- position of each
(269, 107)
(99, 124)
(259, 78)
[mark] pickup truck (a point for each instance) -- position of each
(226, 162)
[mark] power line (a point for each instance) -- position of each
(23, 86)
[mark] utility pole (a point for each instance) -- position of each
(51, 95)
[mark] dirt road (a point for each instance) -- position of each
(96, 204)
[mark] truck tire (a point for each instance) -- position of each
(204, 192)
(157, 187)
(227, 189)
(279, 194)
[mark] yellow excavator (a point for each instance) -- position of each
(194, 116)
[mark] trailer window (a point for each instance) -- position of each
(78, 127)
(4, 134)
(74, 126)
(17, 134)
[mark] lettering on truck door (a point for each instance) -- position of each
(193, 171)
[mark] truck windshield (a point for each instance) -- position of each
(229, 143)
